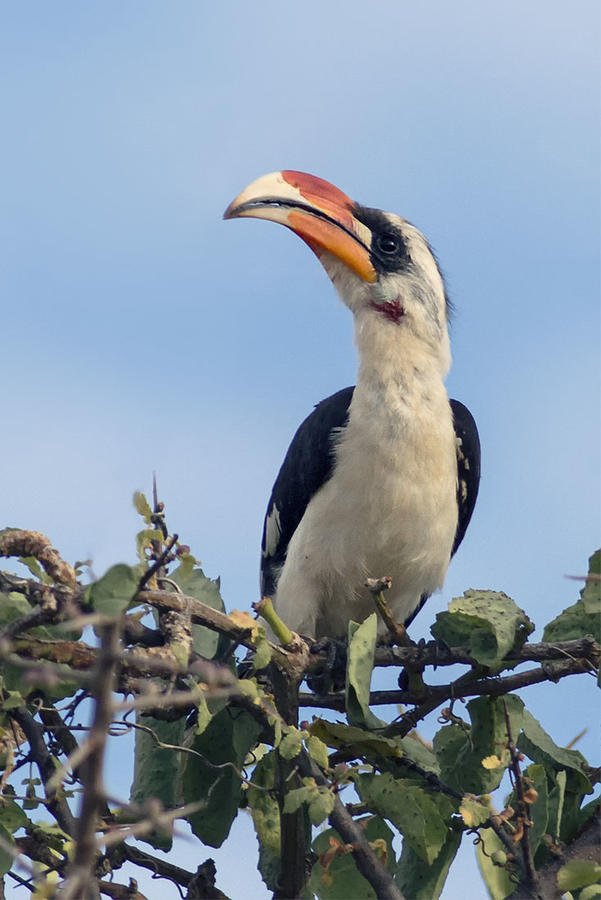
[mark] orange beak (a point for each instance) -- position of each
(315, 210)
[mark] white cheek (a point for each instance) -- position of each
(353, 292)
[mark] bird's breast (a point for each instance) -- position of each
(389, 508)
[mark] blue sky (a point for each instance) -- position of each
(141, 333)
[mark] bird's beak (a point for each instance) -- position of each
(315, 210)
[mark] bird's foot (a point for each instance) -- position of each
(333, 675)
(411, 677)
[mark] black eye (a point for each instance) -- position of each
(388, 244)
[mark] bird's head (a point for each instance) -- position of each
(380, 264)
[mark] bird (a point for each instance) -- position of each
(380, 480)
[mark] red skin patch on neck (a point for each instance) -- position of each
(392, 311)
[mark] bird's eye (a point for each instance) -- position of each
(388, 243)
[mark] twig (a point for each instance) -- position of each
(265, 608)
(18, 542)
(463, 687)
(200, 613)
(160, 867)
(372, 869)
(158, 819)
(121, 891)
(585, 846)
(397, 632)
(73, 660)
(159, 561)
(54, 723)
(437, 655)
(80, 883)
(367, 862)
(523, 812)
(32, 619)
(45, 762)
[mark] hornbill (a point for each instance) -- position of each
(381, 479)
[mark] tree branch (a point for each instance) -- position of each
(438, 655)
(17, 542)
(372, 869)
(523, 813)
(40, 754)
(464, 687)
(586, 846)
(80, 881)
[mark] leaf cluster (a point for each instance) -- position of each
(210, 741)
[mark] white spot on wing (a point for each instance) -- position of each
(461, 457)
(272, 531)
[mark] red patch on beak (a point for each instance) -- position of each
(323, 195)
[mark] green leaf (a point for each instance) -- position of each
(318, 751)
(12, 699)
(573, 623)
(417, 751)
(320, 800)
(556, 800)
(488, 622)
(265, 812)
(460, 752)
(156, 770)
(112, 594)
(497, 879)
(227, 739)
(540, 747)
(360, 663)
(6, 858)
(584, 616)
(356, 740)
(12, 816)
(421, 816)
(297, 796)
(54, 836)
(195, 584)
(31, 800)
(262, 655)
(145, 539)
(13, 606)
(18, 682)
(591, 592)
(577, 874)
(475, 810)
(204, 715)
(291, 744)
(335, 875)
(425, 882)
(321, 804)
(142, 506)
(31, 563)
(590, 892)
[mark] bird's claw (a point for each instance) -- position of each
(333, 675)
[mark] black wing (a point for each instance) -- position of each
(468, 467)
(307, 466)
(468, 478)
